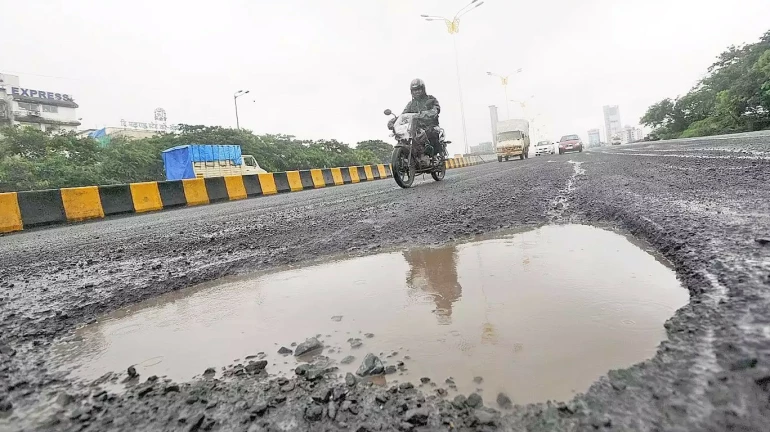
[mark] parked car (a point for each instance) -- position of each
(616, 140)
(544, 148)
(570, 143)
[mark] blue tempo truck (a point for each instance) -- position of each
(207, 160)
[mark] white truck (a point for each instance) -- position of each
(512, 139)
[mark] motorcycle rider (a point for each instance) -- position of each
(427, 109)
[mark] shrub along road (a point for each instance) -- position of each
(702, 204)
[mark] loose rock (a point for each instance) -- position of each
(475, 401)
(504, 401)
(314, 412)
(350, 379)
(459, 401)
(372, 365)
(314, 374)
(196, 422)
(259, 408)
(484, 417)
(417, 416)
(285, 351)
(348, 360)
(322, 395)
(310, 345)
(256, 366)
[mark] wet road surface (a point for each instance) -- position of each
(703, 205)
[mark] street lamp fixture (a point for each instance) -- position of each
(453, 27)
(504, 82)
(524, 103)
(236, 95)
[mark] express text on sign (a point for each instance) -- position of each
(18, 91)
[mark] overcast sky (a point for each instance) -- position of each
(327, 69)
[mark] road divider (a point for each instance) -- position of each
(20, 210)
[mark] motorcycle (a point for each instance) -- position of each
(414, 153)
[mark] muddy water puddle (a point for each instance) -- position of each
(539, 315)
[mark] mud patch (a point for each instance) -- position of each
(538, 315)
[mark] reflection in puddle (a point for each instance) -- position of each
(540, 315)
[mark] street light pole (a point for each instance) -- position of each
(238, 94)
(460, 91)
(453, 27)
(504, 82)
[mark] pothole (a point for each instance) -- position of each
(538, 315)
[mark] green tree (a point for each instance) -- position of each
(734, 96)
(381, 149)
(31, 159)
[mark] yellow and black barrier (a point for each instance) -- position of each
(19, 210)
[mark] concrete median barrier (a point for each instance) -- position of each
(146, 197)
(195, 191)
(20, 210)
(172, 193)
(10, 214)
(236, 189)
(306, 178)
(216, 189)
(267, 183)
(252, 185)
(116, 199)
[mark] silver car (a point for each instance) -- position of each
(544, 148)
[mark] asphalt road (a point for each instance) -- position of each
(703, 204)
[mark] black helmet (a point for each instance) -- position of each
(417, 84)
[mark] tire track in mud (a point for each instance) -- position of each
(561, 203)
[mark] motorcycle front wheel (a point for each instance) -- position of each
(403, 169)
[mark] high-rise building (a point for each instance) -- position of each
(594, 138)
(493, 118)
(612, 121)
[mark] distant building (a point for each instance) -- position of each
(631, 134)
(122, 132)
(594, 138)
(39, 109)
(612, 121)
(483, 148)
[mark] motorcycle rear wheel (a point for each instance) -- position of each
(439, 174)
(403, 169)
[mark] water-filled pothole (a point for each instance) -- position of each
(539, 315)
